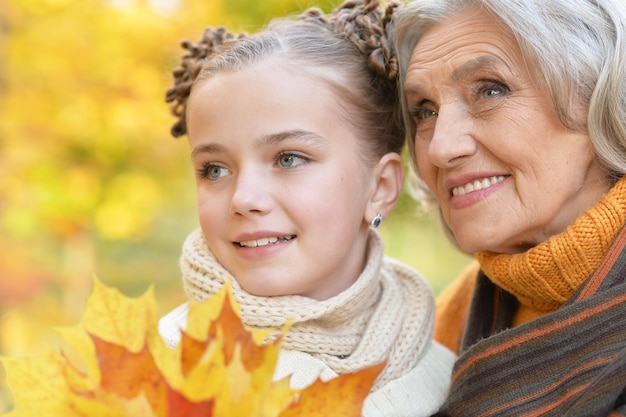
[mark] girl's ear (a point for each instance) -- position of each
(389, 179)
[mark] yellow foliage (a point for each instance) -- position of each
(116, 364)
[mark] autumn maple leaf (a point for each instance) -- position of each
(115, 364)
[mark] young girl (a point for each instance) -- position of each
(296, 145)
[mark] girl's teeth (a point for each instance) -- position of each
(477, 185)
(262, 242)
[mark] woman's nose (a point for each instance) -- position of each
(251, 194)
(453, 138)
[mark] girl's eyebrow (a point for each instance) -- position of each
(207, 148)
(298, 135)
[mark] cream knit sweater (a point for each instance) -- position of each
(387, 314)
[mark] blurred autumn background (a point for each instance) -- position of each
(91, 183)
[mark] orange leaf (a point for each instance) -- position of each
(236, 334)
(123, 369)
(128, 374)
(191, 352)
(341, 396)
(180, 406)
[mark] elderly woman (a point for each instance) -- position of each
(516, 120)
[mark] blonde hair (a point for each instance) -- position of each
(353, 40)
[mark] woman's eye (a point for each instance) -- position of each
(213, 172)
(493, 90)
(290, 160)
(426, 114)
(421, 112)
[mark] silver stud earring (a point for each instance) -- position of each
(376, 221)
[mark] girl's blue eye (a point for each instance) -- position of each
(216, 172)
(213, 172)
(290, 160)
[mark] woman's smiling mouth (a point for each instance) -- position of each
(477, 185)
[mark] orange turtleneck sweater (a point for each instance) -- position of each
(541, 278)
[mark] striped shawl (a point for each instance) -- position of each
(568, 363)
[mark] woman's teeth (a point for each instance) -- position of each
(477, 185)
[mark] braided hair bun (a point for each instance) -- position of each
(213, 40)
(366, 25)
(363, 23)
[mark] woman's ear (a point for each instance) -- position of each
(389, 179)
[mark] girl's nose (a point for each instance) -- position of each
(251, 194)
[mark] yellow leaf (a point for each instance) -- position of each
(118, 366)
(201, 315)
(80, 351)
(29, 372)
(44, 386)
(117, 319)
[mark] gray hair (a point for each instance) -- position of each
(577, 49)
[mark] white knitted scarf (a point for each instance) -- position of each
(386, 314)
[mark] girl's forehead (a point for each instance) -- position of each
(276, 98)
